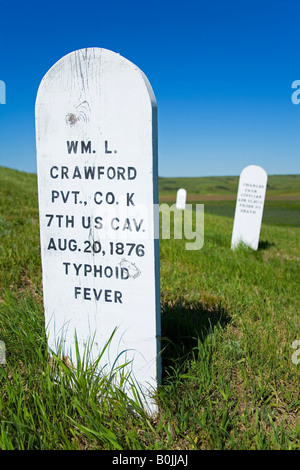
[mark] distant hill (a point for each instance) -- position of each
(212, 188)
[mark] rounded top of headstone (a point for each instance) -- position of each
(254, 170)
(82, 60)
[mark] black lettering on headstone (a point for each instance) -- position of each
(72, 146)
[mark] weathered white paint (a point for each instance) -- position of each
(181, 199)
(105, 103)
(249, 207)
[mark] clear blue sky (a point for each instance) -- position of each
(221, 72)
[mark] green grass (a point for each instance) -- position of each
(282, 213)
(229, 319)
(218, 194)
(278, 185)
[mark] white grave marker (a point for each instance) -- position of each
(96, 131)
(181, 199)
(2, 352)
(249, 207)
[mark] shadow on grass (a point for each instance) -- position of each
(184, 324)
(265, 244)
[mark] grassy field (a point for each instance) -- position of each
(282, 205)
(210, 188)
(229, 320)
